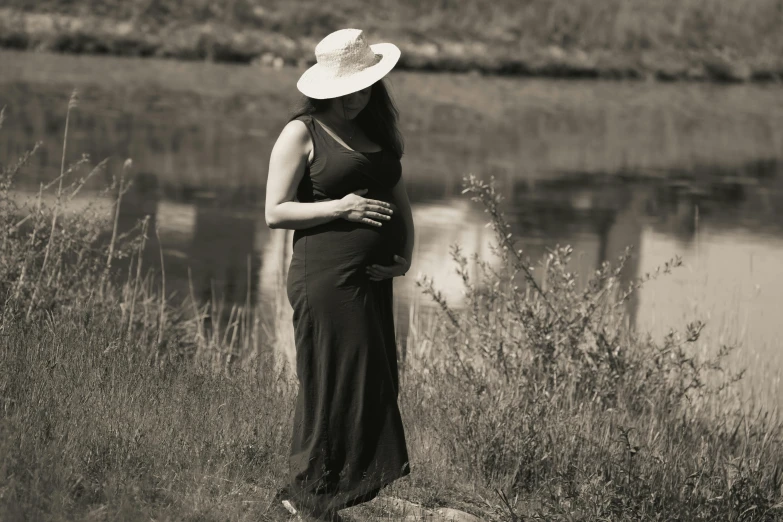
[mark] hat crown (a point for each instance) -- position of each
(345, 52)
(346, 64)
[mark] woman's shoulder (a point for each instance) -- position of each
(295, 138)
(304, 118)
(296, 130)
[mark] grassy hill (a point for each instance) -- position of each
(722, 40)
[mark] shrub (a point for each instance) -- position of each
(539, 389)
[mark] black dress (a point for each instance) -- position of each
(348, 437)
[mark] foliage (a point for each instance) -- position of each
(615, 24)
(723, 40)
(540, 388)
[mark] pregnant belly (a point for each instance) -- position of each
(350, 245)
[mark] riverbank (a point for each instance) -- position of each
(543, 41)
(120, 401)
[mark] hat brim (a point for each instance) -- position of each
(315, 83)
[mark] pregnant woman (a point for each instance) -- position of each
(335, 178)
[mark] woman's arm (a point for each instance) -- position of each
(286, 167)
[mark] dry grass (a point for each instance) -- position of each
(535, 402)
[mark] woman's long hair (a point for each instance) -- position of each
(378, 120)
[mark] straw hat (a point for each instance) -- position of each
(346, 64)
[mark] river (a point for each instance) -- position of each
(694, 170)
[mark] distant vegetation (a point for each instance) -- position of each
(725, 40)
(530, 402)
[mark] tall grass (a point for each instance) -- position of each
(114, 402)
(534, 402)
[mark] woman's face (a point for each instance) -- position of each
(353, 103)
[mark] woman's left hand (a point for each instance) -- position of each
(379, 273)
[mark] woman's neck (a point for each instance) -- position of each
(338, 123)
(337, 118)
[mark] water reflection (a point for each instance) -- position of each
(599, 218)
(139, 201)
(693, 170)
(210, 253)
(223, 255)
(228, 255)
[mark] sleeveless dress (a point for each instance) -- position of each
(348, 438)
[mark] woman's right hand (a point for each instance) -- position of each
(354, 207)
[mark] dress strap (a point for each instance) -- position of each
(315, 137)
(307, 120)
